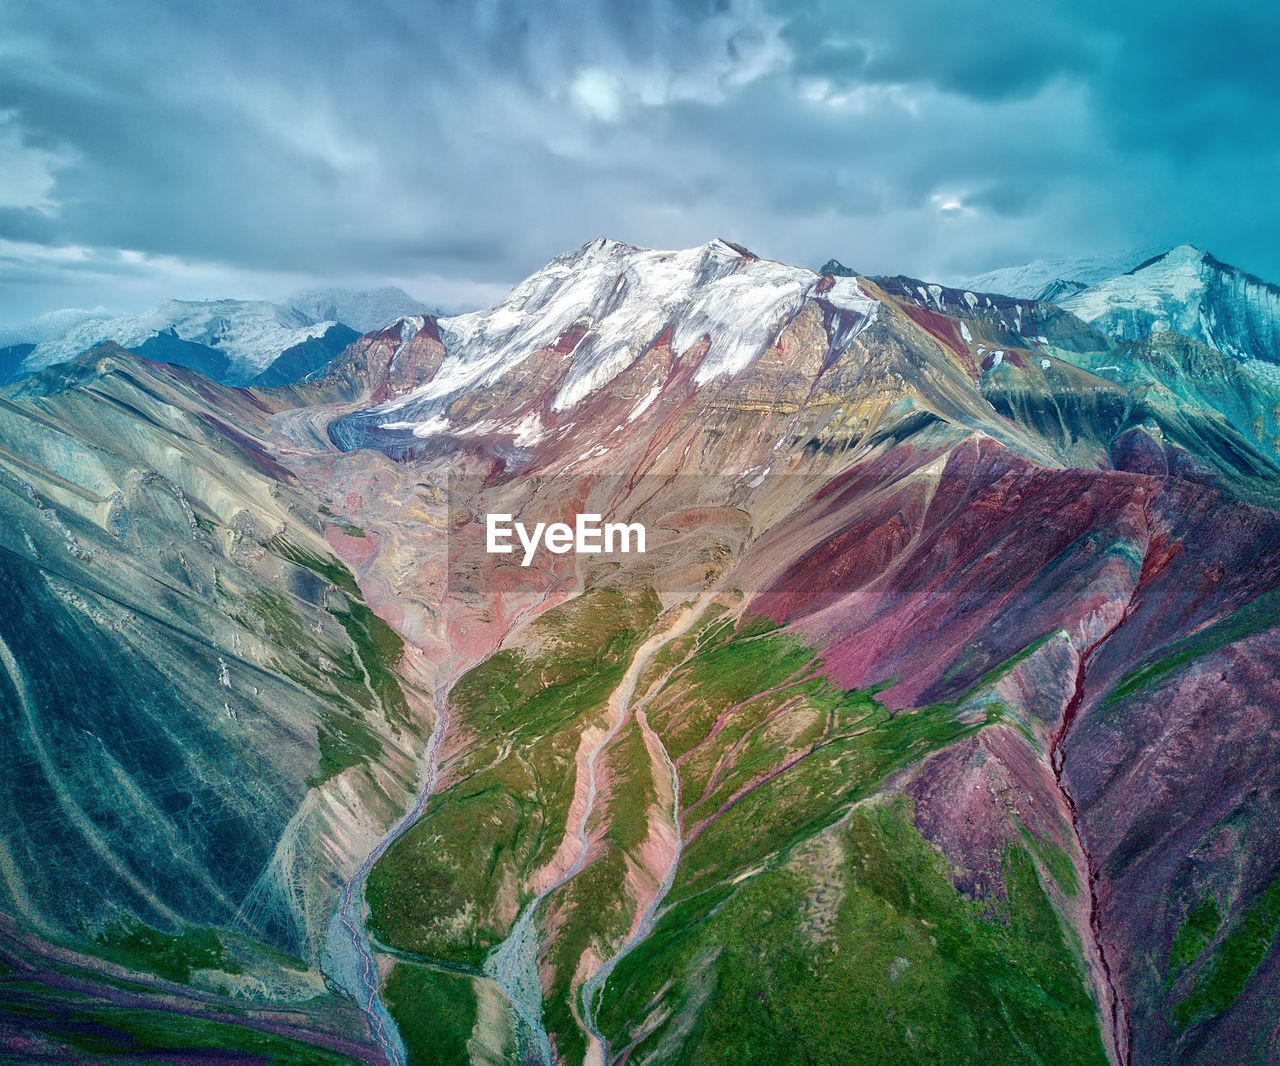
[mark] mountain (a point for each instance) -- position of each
(1182, 290)
(167, 347)
(362, 311)
(315, 353)
(1164, 405)
(1190, 292)
(1051, 279)
(601, 308)
(989, 322)
(205, 734)
(245, 335)
(249, 333)
(834, 266)
(905, 598)
(936, 721)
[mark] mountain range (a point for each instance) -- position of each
(1048, 279)
(938, 721)
(232, 341)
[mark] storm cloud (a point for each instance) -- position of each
(184, 149)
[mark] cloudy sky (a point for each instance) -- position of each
(453, 146)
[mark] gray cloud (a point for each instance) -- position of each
(189, 149)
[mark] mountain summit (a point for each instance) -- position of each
(598, 309)
(1054, 278)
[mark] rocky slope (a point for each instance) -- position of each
(990, 322)
(207, 726)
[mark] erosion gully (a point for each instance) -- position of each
(1117, 1014)
(513, 965)
(593, 988)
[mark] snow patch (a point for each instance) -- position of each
(1267, 371)
(645, 403)
(528, 431)
(427, 428)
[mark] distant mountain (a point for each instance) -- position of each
(250, 333)
(232, 341)
(305, 357)
(1188, 291)
(1052, 278)
(362, 311)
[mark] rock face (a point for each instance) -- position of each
(936, 722)
(834, 266)
(12, 357)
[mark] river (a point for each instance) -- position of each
(348, 957)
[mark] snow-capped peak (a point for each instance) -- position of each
(1181, 256)
(606, 303)
(1188, 291)
(251, 333)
